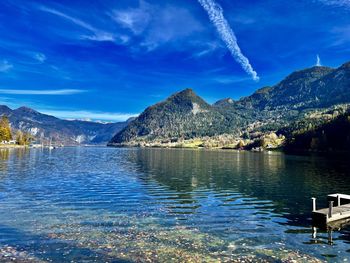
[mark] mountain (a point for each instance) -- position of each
(46, 127)
(332, 135)
(184, 115)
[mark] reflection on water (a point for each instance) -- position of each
(289, 181)
(157, 204)
(4, 154)
(321, 240)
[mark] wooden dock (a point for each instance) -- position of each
(338, 209)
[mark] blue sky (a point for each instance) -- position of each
(108, 60)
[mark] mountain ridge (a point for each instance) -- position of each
(181, 106)
(44, 127)
(268, 108)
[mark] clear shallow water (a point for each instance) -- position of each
(125, 205)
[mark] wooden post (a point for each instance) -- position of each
(313, 204)
(338, 197)
(330, 209)
(314, 232)
(330, 237)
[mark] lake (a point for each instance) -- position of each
(98, 204)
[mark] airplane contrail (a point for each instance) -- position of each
(216, 16)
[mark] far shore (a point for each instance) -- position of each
(9, 146)
(258, 149)
(188, 146)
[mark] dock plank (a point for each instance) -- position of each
(339, 205)
(339, 212)
(342, 196)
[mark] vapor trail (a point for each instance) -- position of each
(216, 16)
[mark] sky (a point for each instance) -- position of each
(109, 60)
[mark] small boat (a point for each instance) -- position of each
(50, 145)
(36, 145)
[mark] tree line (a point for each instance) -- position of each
(6, 135)
(331, 136)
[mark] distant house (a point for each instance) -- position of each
(8, 142)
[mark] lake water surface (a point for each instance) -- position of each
(87, 204)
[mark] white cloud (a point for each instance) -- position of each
(69, 18)
(171, 25)
(318, 61)
(102, 36)
(5, 66)
(86, 114)
(156, 25)
(216, 16)
(39, 57)
(340, 35)
(340, 3)
(227, 79)
(97, 34)
(207, 49)
(135, 19)
(41, 92)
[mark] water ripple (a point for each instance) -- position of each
(128, 204)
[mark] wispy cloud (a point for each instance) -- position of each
(5, 66)
(171, 25)
(100, 36)
(156, 25)
(209, 48)
(39, 57)
(225, 79)
(318, 61)
(88, 115)
(97, 34)
(340, 3)
(340, 36)
(216, 16)
(135, 19)
(67, 17)
(41, 92)
(35, 57)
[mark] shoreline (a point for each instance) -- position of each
(193, 148)
(12, 146)
(260, 150)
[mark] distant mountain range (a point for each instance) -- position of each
(185, 115)
(286, 108)
(45, 127)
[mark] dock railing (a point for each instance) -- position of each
(313, 204)
(330, 205)
(338, 209)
